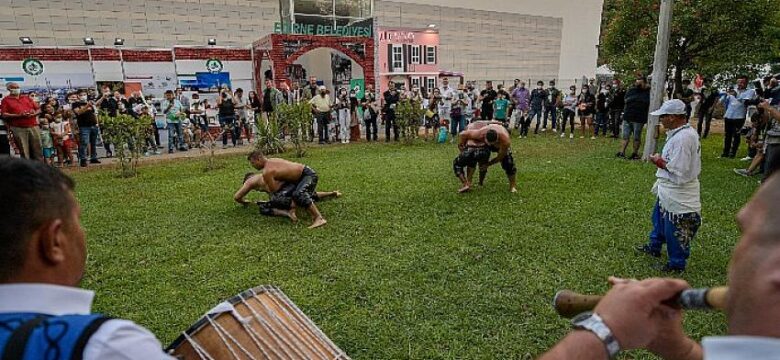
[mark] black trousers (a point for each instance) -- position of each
(371, 128)
(486, 113)
(705, 118)
(732, 138)
(322, 126)
(568, 115)
(615, 120)
(5, 146)
(390, 122)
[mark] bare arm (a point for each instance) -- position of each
(242, 192)
(463, 139)
(500, 156)
(270, 182)
(773, 113)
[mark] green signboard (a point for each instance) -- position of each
(324, 30)
(359, 86)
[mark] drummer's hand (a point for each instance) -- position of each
(635, 313)
(671, 341)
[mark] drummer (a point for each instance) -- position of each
(41, 265)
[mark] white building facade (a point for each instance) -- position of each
(497, 40)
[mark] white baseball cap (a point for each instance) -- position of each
(321, 87)
(671, 107)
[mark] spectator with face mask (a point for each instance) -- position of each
(616, 108)
(635, 116)
(521, 101)
(569, 111)
(86, 118)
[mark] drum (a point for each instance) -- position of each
(260, 323)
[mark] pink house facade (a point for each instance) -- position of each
(408, 57)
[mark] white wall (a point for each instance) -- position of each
(56, 74)
(317, 63)
(581, 26)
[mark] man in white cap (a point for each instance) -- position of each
(677, 212)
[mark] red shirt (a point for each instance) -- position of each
(14, 105)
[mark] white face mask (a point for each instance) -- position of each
(15, 91)
(539, 87)
(83, 98)
(58, 120)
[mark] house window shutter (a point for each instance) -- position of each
(435, 55)
(407, 57)
(389, 58)
(424, 54)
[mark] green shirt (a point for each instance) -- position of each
(500, 107)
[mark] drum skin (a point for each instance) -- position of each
(274, 328)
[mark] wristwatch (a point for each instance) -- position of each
(592, 322)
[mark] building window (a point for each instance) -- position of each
(415, 82)
(398, 58)
(430, 55)
(415, 54)
(430, 83)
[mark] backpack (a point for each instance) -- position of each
(442, 135)
(29, 335)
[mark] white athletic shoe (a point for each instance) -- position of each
(571, 136)
(544, 130)
(593, 138)
(747, 158)
(555, 130)
(582, 137)
(563, 135)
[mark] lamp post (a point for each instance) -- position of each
(659, 74)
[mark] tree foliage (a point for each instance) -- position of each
(127, 134)
(409, 114)
(296, 117)
(709, 37)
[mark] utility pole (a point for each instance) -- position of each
(659, 74)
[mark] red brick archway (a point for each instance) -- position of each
(283, 49)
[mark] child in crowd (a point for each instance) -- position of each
(144, 114)
(60, 132)
(500, 107)
(46, 143)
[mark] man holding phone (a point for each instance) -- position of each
(21, 113)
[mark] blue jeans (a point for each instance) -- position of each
(175, 127)
(228, 124)
(537, 113)
(458, 124)
(677, 231)
(601, 123)
(88, 136)
(552, 111)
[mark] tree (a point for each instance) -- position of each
(709, 37)
(126, 133)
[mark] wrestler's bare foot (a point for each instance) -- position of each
(464, 189)
(291, 214)
(513, 190)
(317, 223)
(338, 193)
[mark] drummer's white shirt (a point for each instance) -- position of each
(116, 339)
(740, 348)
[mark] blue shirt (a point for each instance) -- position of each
(735, 105)
(173, 114)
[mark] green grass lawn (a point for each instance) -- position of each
(406, 267)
